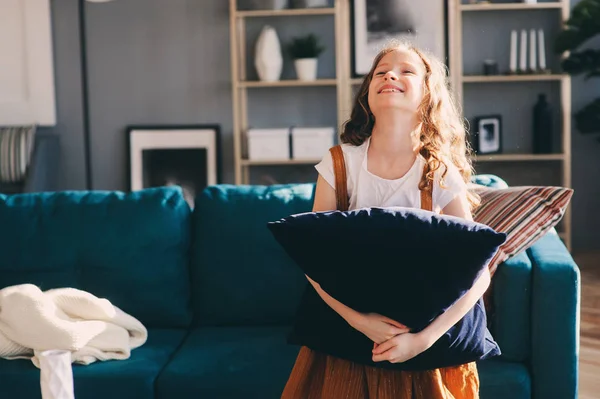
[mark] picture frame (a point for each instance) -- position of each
(188, 156)
(487, 134)
(375, 22)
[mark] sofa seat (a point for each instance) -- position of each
(229, 362)
(127, 379)
(500, 379)
(255, 362)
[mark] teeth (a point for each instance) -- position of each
(390, 91)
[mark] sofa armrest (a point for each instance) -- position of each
(556, 290)
(43, 170)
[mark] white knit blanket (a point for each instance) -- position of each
(91, 328)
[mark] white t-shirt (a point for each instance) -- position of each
(368, 190)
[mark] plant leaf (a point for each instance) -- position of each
(587, 120)
(581, 26)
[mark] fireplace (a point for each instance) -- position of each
(182, 156)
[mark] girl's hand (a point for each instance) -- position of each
(400, 348)
(378, 328)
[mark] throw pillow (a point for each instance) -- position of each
(523, 213)
(16, 148)
(407, 264)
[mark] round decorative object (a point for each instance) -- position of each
(270, 4)
(268, 60)
(309, 3)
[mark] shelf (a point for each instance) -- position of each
(290, 83)
(518, 157)
(249, 162)
(285, 13)
(510, 6)
(510, 78)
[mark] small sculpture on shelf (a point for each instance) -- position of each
(269, 4)
(490, 67)
(268, 60)
(532, 62)
(305, 51)
(309, 3)
(542, 126)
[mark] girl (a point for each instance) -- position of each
(404, 135)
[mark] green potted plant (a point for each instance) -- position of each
(584, 24)
(305, 51)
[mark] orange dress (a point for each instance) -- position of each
(320, 376)
(317, 375)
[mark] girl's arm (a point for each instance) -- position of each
(406, 346)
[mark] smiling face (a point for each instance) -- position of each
(397, 82)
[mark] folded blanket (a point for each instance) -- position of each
(91, 328)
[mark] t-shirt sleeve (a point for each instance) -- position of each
(325, 169)
(454, 185)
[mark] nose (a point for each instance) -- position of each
(390, 76)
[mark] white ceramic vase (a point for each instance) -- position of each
(310, 3)
(268, 59)
(306, 68)
(270, 4)
(56, 374)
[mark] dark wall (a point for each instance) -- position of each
(167, 62)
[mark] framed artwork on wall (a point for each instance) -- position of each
(187, 156)
(376, 22)
(487, 135)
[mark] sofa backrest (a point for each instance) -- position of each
(131, 249)
(240, 274)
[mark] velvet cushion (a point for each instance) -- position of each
(130, 248)
(408, 264)
(132, 378)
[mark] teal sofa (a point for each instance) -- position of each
(218, 295)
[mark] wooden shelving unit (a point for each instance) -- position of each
(240, 85)
(519, 157)
(285, 13)
(510, 6)
(289, 83)
(511, 78)
(248, 162)
(456, 11)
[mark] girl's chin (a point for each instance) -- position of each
(394, 106)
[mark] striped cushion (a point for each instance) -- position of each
(16, 145)
(524, 213)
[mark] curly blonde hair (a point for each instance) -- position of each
(442, 132)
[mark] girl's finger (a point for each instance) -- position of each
(383, 347)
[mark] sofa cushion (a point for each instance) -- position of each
(510, 324)
(255, 362)
(525, 214)
(128, 379)
(500, 380)
(229, 362)
(128, 248)
(240, 275)
(489, 180)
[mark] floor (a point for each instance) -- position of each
(589, 370)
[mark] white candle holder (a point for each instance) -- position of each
(56, 374)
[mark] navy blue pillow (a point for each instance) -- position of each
(408, 264)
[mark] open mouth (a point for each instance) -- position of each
(390, 89)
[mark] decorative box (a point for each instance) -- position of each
(311, 142)
(268, 144)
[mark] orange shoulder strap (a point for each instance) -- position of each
(426, 196)
(341, 185)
